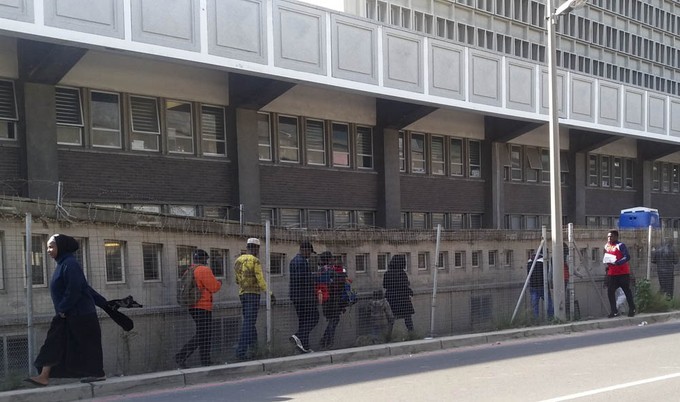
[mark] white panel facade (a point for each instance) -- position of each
(355, 50)
(237, 29)
(582, 99)
(485, 78)
(172, 23)
(20, 10)
(102, 17)
(674, 117)
(301, 38)
(403, 60)
(609, 101)
(656, 121)
(447, 70)
(634, 108)
(520, 86)
(561, 93)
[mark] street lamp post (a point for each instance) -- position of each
(555, 171)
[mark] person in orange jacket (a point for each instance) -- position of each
(201, 312)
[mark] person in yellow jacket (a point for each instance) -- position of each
(201, 312)
(251, 283)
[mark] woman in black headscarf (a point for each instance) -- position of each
(398, 291)
(73, 346)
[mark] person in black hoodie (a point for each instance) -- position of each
(73, 346)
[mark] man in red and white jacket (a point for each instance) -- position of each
(618, 273)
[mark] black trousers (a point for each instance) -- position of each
(667, 281)
(623, 282)
(202, 339)
(308, 317)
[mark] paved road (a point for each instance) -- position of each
(624, 364)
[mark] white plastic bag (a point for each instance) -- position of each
(621, 302)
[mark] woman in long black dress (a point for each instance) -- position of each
(398, 291)
(73, 346)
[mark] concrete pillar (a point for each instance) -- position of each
(389, 193)
(579, 187)
(248, 164)
(42, 162)
(494, 192)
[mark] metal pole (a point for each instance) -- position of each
(649, 250)
(555, 171)
(434, 280)
(267, 259)
(570, 286)
(526, 281)
(29, 294)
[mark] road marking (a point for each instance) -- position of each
(612, 388)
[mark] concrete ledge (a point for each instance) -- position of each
(360, 353)
(289, 363)
(411, 347)
(223, 372)
(138, 383)
(458, 341)
(57, 393)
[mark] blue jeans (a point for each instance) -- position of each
(536, 296)
(250, 304)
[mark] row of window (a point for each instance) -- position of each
(126, 121)
(139, 123)
(314, 142)
(117, 266)
(610, 171)
(438, 155)
(665, 177)
(317, 218)
(447, 220)
(530, 164)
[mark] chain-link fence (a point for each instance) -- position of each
(479, 279)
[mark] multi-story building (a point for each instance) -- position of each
(393, 114)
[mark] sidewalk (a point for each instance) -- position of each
(183, 378)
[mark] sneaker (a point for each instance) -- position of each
(298, 343)
(612, 315)
(631, 313)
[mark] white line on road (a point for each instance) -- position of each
(612, 388)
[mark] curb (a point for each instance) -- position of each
(201, 375)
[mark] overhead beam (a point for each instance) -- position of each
(588, 141)
(251, 92)
(497, 129)
(651, 151)
(397, 115)
(46, 63)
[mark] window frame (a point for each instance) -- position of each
(144, 133)
(37, 240)
(80, 123)
(12, 117)
(294, 148)
(157, 252)
(421, 160)
(104, 130)
(219, 261)
(423, 260)
(220, 137)
(382, 261)
(185, 138)
(361, 156)
(336, 146)
(459, 260)
(277, 264)
(309, 151)
(262, 146)
(366, 258)
(121, 245)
